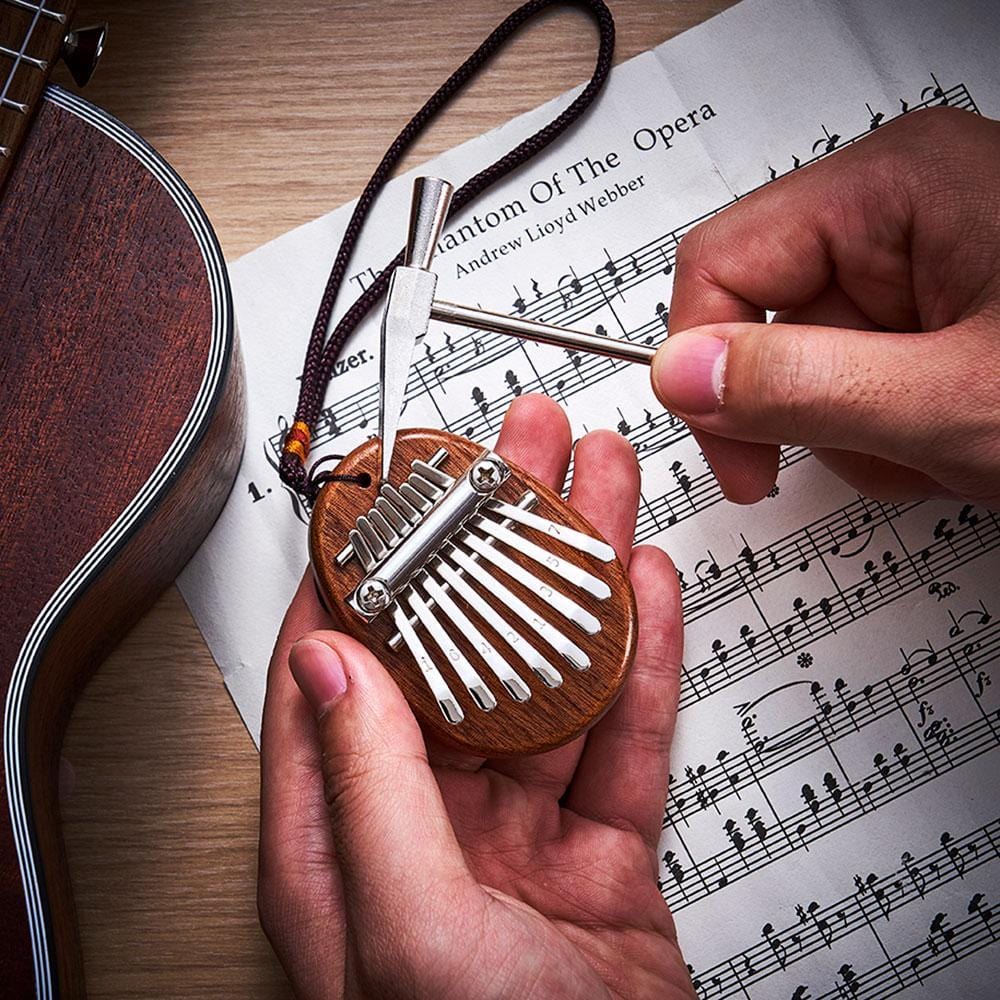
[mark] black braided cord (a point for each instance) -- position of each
(322, 352)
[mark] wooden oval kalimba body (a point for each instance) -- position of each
(506, 635)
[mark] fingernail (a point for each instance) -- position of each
(319, 672)
(689, 372)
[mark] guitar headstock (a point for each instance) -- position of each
(34, 35)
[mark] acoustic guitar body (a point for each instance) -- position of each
(121, 402)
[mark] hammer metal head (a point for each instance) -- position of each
(404, 324)
(408, 304)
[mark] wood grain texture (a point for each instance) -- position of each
(551, 716)
(274, 114)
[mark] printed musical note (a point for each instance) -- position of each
(828, 143)
(479, 398)
(875, 117)
(934, 93)
(512, 383)
(611, 270)
(680, 474)
(569, 286)
(668, 262)
(819, 926)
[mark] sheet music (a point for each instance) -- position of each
(833, 827)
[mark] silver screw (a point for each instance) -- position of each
(486, 475)
(373, 596)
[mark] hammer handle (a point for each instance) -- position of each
(542, 333)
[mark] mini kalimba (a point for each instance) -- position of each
(507, 622)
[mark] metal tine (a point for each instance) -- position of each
(432, 474)
(467, 673)
(381, 524)
(570, 572)
(417, 500)
(560, 532)
(393, 516)
(360, 546)
(450, 708)
(529, 498)
(566, 648)
(501, 669)
(438, 457)
(550, 677)
(396, 500)
(371, 536)
(406, 507)
(566, 606)
(428, 489)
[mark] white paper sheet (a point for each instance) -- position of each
(834, 824)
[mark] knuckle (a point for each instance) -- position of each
(348, 774)
(927, 133)
(357, 781)
(696, 250)
(797, 388)
(938, 150)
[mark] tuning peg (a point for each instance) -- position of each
(81, 50)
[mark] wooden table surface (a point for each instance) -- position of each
(274, 114)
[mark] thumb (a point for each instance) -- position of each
(389, 822)
(872, 392)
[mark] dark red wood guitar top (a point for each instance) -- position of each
(116, 366)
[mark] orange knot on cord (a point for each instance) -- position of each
(297, 441)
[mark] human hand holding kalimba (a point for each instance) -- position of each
(425, 872)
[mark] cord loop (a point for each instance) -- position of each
(322, 352)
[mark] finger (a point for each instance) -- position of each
(779, 247)
(388, 820)
(605, 488)
(746, 471)
(832, 307)
(536, 436)
(299, 890)
(882, 394)
(869, 216)
(606, 491)
(799, 226)
(621, 779)
(872, 215)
